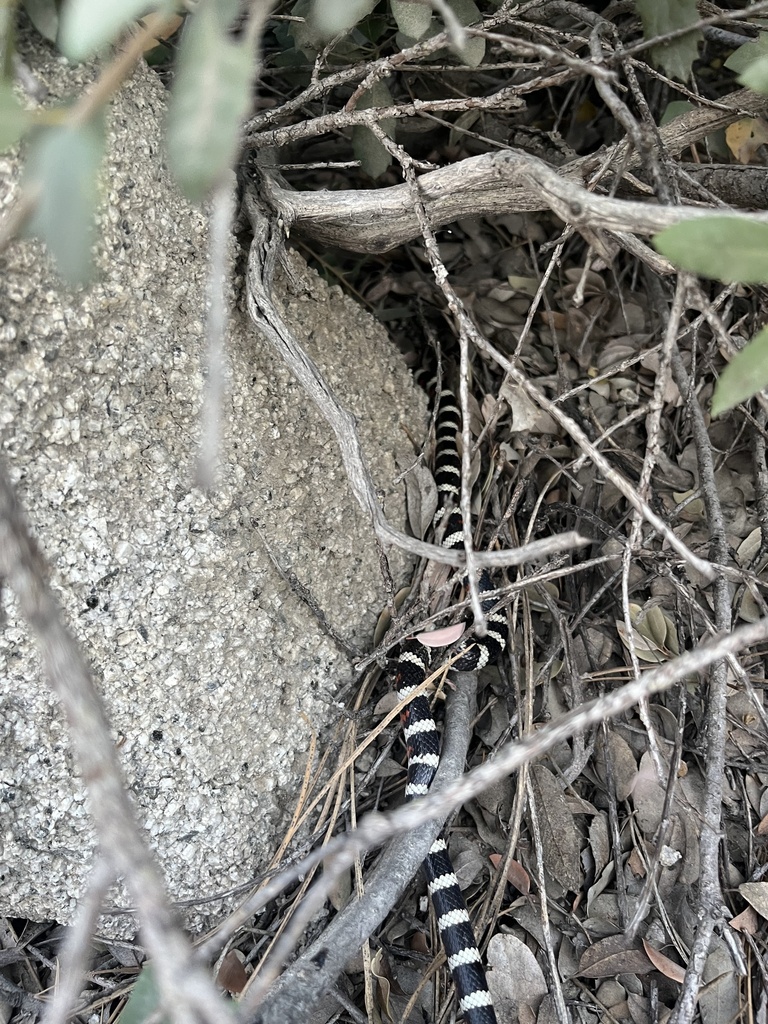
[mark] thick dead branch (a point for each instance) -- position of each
(498, 183)
(306, 980)
(377, 828)
(744, 186)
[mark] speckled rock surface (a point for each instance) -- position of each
(210, 666)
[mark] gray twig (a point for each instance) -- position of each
(574, 430)
(563, 1014)
(222, 214)
(710, 900)
(376, 828)
(440, 274)
(187, 992)
(265, 316)
(317, 968)
(73, 957)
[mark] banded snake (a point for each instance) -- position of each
(421, 736)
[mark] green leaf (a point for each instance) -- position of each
(374, 158)
(473, 51)
(747, 54)
(675, 108)
(211, 96)
(63, 168)
(413, 19)
(662, 16)
(726, 248)
(44, 15)
(373, 27)
(756, 76)
(89, 25)
(14, 119)
(329, 17)
(144, 1000)
(745, 375)
(466, 11)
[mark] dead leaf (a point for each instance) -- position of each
(524, 285)
(341, 890)
(662, 963)
(421, 498)
(389, 769)
(645, 648)
(745, 136)
(578, 805)
(654, 635)
(385, 619)
(749, 547)
(658, 626)
(639, 1009)
(749, 609)
(756, 894)
(623, 767)
(469, 863)
(746, 921)
(636, 864)
(610, 957)
(527, 417)
(442, 637)
(170, 26)
(385, 982)
(516, 874)
(599, 842)
(514, 974)
(498, 313)
(648, 797)
(606, 878)
(663, 721)
(232, 975)
(693, 507)
(488, 407)
(719, 998)
(559, 835)
(554, 319)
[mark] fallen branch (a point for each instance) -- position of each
(315, 971)
(497, 183)
(377, 828)
(187, 992)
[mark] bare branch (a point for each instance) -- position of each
(317, 968)
(377, 828)
(222, 213)
(621, 483)
(73, 957)
(187, 991)
(710, 898)
(263, 312)
(497, 183)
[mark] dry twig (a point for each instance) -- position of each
(186, 990)
(377, 828)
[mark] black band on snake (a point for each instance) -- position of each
(421, 736)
